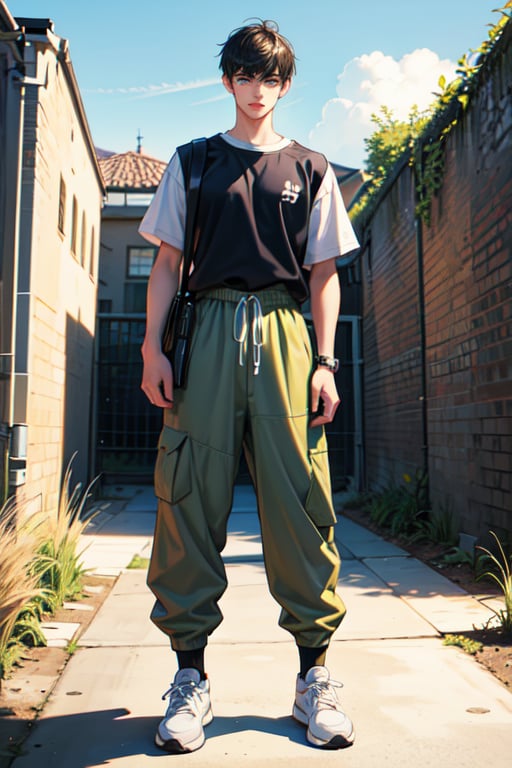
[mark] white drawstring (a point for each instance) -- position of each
(240, 329)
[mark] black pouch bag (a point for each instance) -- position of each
(177, 335)
(179, 324)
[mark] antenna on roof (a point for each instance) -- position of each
(139, 143)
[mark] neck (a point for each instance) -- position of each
(255, 131)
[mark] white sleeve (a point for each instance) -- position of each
(330, 231)
(164, 220)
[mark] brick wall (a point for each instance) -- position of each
(467, 283)
(391, 347)
(58, 287)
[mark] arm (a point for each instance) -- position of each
(157, 383)
(324, 286)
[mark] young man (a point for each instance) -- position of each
(270, 225)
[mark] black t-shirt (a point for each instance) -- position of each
(253, 215)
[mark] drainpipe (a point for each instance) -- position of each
(14, 120)
(423, 342)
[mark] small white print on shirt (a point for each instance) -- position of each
(290, 193)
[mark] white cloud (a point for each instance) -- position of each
(367, 83)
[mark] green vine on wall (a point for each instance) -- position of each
(429, 166)
(423, 137)
(427, 157)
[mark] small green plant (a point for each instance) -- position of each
(58, 565)
(19, 587)
(439, 528)
(27, 629)
(72, 647)
(500, 571)
(138, 562)
(458, 556)
(469, 646)
(400, 508)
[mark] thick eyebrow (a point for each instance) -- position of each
(271, 76)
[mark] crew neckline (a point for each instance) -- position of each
(239, 144)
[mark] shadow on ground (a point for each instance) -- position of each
(114, 734)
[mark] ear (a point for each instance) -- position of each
(285, 88)
(227, 84)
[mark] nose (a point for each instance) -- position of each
(257, 87)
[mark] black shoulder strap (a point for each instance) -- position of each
(192, 163)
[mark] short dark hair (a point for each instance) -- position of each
(257, 49)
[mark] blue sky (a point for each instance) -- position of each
(152, 66)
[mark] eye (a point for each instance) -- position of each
(241, 80)
(272, 82)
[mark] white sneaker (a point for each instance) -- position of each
(188, 711)
(317, 706)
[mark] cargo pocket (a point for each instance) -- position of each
(319, 499)
(173, 468)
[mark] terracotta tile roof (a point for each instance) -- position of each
(132, 171)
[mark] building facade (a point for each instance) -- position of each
(52, 193)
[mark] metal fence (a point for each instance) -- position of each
(127, 425)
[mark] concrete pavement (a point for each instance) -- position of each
(413, 700)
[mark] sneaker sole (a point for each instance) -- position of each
(175, 747)
(337, 742)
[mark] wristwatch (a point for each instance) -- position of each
(331, 363)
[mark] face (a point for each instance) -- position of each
(256, 97)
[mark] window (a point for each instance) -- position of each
(74, 226)
(140, 261)
(92, 255)
(83, 241)
(62, 205)
(135, 296)
(104, 306)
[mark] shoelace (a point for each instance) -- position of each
(324, 692)
(182, 696)
(240, 327)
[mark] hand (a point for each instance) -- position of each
(157, 381)
(323, 389)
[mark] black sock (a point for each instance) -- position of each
(311, 657)
(192, 660)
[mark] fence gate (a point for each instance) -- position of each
(127, 426)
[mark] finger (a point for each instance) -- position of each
(167, 388)
(156, 396)
(330, 409)
(163, 399)
(315, 399)
(327, 415)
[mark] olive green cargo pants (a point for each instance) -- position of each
(235, 400)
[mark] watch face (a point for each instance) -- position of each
(332, 363)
